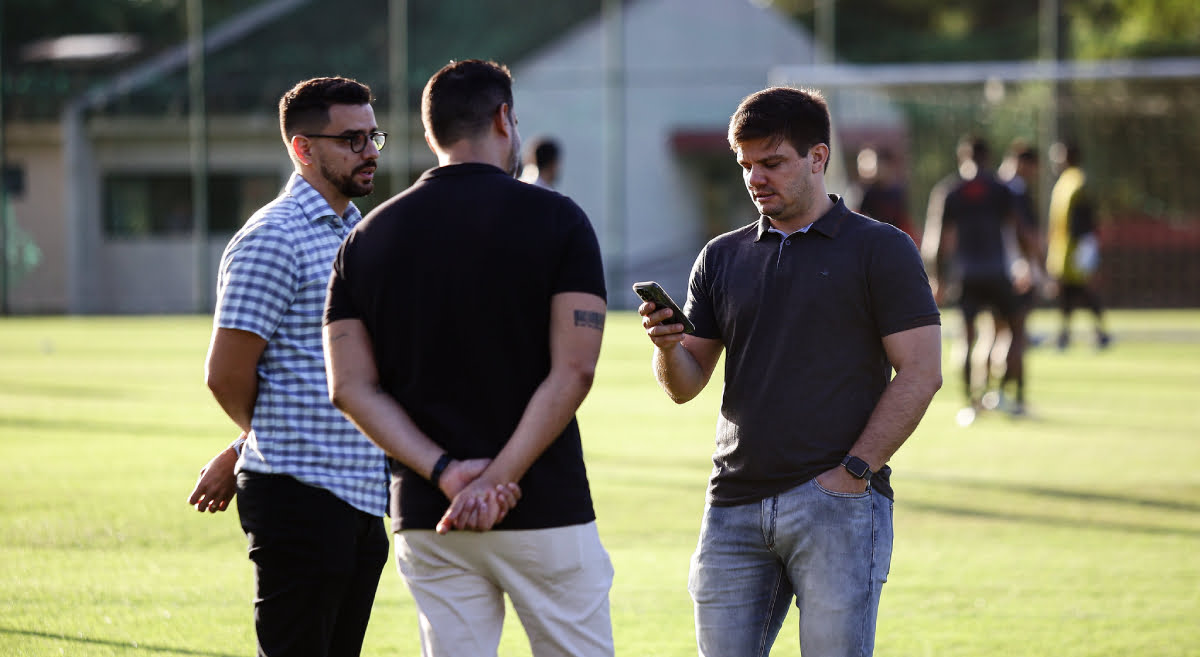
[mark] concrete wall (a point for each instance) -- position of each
(170, 274)
(40, 212)
(82, 270)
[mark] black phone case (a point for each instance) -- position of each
(653, 292)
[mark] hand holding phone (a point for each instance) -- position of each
(653, 292)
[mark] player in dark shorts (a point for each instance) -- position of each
(977, 212)
(1019, 169)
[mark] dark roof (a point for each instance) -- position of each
(314, 38)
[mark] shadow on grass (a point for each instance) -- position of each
(128, 645)
(75, 426)
(1052, 521)
(1059, 494)
(55, 390)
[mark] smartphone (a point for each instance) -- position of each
(653, 292)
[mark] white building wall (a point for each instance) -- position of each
(162, 274)
(40, 212)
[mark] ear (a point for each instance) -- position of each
(302, 147)
(819, 156)
(501, 119)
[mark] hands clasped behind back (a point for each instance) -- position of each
(476, 502)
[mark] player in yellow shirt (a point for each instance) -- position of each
(1073, 249)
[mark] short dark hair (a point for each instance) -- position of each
(461, 98)
(305, 106)
(1074, 155)
(1023, 151)
(545, 152)
(974, 148)
(799, 116)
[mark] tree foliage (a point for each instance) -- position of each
(879, 31)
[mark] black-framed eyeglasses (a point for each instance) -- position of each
(358, 140)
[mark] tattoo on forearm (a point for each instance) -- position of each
(589, 319)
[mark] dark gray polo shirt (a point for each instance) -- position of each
(802, 319)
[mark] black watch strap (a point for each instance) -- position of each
(439, 467)
(857, 467)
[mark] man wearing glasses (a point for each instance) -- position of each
(311, 489)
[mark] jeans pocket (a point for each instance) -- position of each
(846, 496)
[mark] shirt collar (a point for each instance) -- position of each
(463, 169)
(828, 224)
(315, 207)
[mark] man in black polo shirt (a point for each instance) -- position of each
(463, 326)
(815, 305)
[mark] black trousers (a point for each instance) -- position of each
(317, 562)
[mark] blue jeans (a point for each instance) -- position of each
(830, 551)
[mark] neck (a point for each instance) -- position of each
(815, 211)
(467, 151)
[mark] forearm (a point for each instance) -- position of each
(236, 395)
(381, 419)
(896, 416)
(679, 373)
(231, 372)
(548, 412)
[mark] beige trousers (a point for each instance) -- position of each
(557, 579)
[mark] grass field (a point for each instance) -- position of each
(1074, 532)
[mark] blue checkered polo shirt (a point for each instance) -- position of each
(272, 282)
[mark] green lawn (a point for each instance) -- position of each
(1073, 532)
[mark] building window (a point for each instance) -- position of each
(160, 205)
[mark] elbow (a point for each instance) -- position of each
(584, 376)
(678, 398)
(339, 396)
(220, 386)
(579, 377)
(933, 383)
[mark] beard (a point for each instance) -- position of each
(346, 184)
(514, 156)
(514, 160)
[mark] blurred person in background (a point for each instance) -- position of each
(516, 272)
(1073, 251)
(542, 159)
(311, 489)
(942, 276)
(884, 197)
(813, 305)
(976, 214)
(1018, 171)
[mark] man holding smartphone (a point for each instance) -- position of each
(815, 305)
(514, 273)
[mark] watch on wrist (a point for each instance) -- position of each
(439, 467)
(857, 467)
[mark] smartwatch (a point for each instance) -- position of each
(857, 467)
